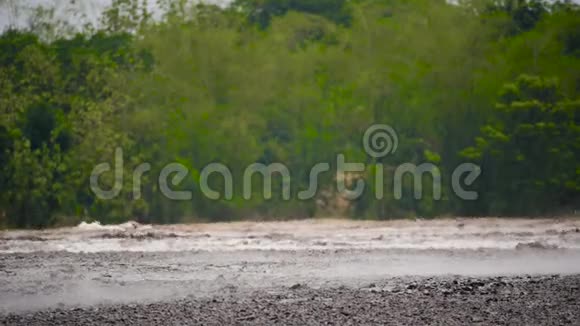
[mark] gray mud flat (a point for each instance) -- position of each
(549, 300)
(444, 272)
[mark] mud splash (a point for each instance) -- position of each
(447, 234)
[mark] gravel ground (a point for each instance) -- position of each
(523, 300)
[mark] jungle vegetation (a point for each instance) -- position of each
(493, 82)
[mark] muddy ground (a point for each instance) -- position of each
(454, 272)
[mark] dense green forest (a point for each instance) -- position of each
(496, 83)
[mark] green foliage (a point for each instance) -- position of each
(295, 82)
(523, 14)
(534, 143)
(58, 118)
(261, 12)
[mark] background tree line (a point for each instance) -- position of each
(496, 83)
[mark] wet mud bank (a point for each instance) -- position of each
(316, 234)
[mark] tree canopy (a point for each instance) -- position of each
(494, 83)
